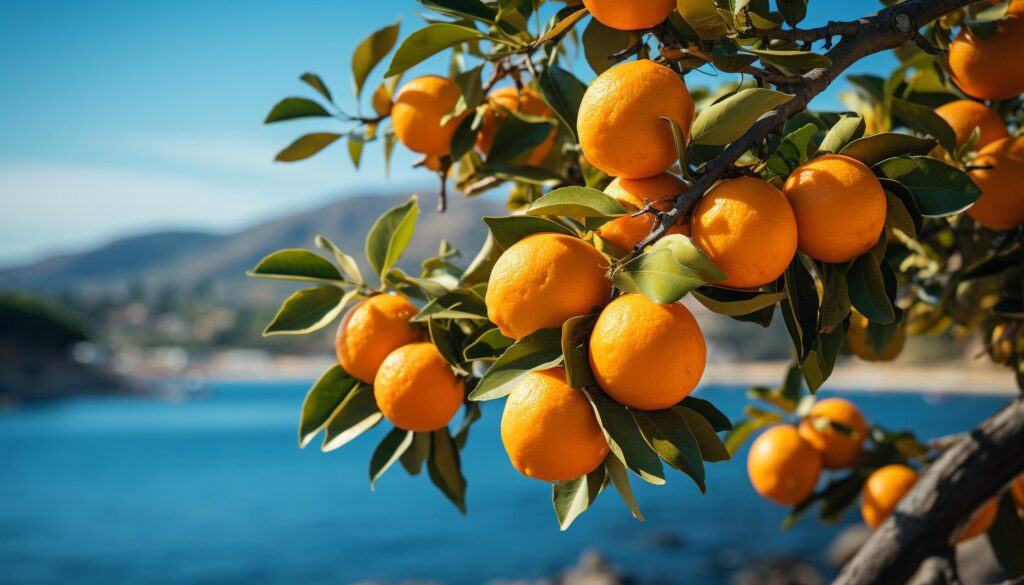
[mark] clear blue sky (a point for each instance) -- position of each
(123, 117)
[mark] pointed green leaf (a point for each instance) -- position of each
(539, 350)
(572, 498)
(388, 451)
(871, 288)
(307, 310)
(845, 131)
(620, 479)
(318, 84)
(739, 302)
(924, 120)
(719, 422)
(727, 120)
(296, 264)
(348, 264)
(413, 457)
(668, 434)
(875, 148)
(357, 414)
(295, 107)
(322, 400)
(507, 230)
(306, 146)
(370, 52)
(625, 439)
(938, 188)
(711, 447)
(575, 339)
(563, 92)
(445, 469)
(577, 202)
(427, 42)
(390, 235)
(792, 151)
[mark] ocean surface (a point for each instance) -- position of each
(216, 490)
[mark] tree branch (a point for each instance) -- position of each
(967, 476)
(887, 29)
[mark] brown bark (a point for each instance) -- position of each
(971, 472)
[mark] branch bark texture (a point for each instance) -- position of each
(966, 476)
(887, 29)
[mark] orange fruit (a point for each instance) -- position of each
(859, 343)
(1004, 344)
(839, 205)
(1001, 205)
(417, 112)
(988, 68)
(748, 229)
(634, 194)
(549, 430)
(620, 127)
(1017, 491)
(883, 491)
(542, 280)
(838, 450)
(966, 115)
(630, 15)
(1016, 7)
(416, 389)
(645, 355)
(527, 102)
(371, 330)
(980, 521)
(782, 466)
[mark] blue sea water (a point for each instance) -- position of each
(118, 490)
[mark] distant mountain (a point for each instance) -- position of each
(189, 261)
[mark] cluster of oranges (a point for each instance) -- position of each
(413, 384)
(786, 461)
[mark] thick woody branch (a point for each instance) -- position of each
(965, 477)
(887, 29)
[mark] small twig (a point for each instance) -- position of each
(807, 35)
(926, 45)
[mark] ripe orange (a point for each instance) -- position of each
(1001, 205)
(782, 466)
(659, 190)
(838, 450)
(549, 430)
(370, 331)
(988, 68)
(859, 343)
(839, 205)
(748, 229)
(417, 112)
(620, 127)
(981, 520)
(966, 115)
(1017, 490)
(631, 15)
(527, 102)
(645, 355)
(416, 389)
(883, 491)
(542, 280)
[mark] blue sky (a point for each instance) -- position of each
(123, 117)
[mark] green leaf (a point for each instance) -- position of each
(711, 447)
(323, 399)
(791, 61)
(307, 310)
(318, 84)
(898, 217)
(1005, 536)
(703, 18)
(293, 108)
(357, 414)
(370, 52)
(356, 141)
(793, 11)
(577, 202)
(427, 42)
(413, 457)
(745, 302)
(572, 498)
(727, 120)
(939, 189)
(473, 9)
(448, 343)
(871, 289)
(880, 335)
(600, 42)
(680, 141)
(620, 479)
(822, 358)
(670, 437)
(739, 435)
(673, 267)
(845, 131)
(388, 451)
(488, 345)
(472, 415)
(471, 89)
(296, 264)
(800, 309)
(464, 138)
(444, 468)
(516, 137)
(625, 439)
(726, 56)
(460, 303)
(539, 350)
(835, 302)
(390, 235)
(792, 151)
(306, 146)
(875, 148)
(348, 264)
(575, 343)
(924, 120)
(719, 422)
(561, 26)
(563, 92)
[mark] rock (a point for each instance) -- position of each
(846, 545)
(779, 571)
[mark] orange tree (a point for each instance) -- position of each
(900, 217)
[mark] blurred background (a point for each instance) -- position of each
(147, 430)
